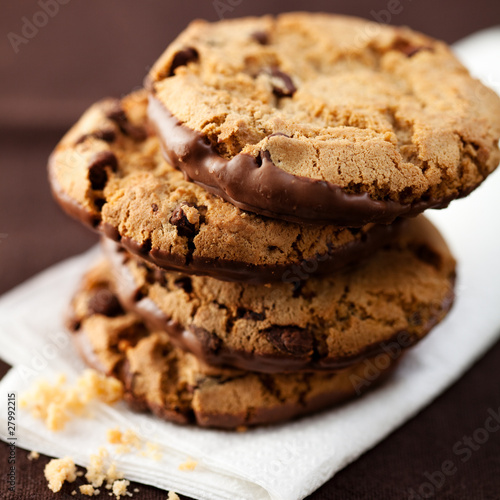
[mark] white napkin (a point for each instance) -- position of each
(288, 461)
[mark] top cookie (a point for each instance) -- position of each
(322, 118)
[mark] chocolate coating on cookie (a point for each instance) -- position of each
(258, 185)
(391, 300)
(371, 128)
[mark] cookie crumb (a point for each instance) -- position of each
(113, 474)
(172, 495)
(126, 441)
(188, 465)
(58, 471)
(73, 492)
(89, 490)
(95, 472)
(93, 385)
(120, 488)
(33, 455)
(114, 436)
(136, 490)
(56, 404)
(153, 451)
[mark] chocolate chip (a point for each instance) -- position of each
(106, 135)
(183, 57)
(138, 295)
(117, 114)
(252, 315)
(154, 275)
(408, 48)
(269, 382)
(260, 37)
(209, 341)
(179, 220)
(154, 207)
(291, 340)
(283, 85)
(99, 203)
(429, 256)
(185, 283)
(98, 176)
(104, 302)
(263, 155)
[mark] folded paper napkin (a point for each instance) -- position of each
(288, 461)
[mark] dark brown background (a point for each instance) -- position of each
(92, 48)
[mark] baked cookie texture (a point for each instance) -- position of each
(108, 171)
(317, 117)
(389, 301)
(176, 386)
(274, 284)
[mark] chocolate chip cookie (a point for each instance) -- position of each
(176, 386)
(388, 302)
(108, 172)
(321, 118)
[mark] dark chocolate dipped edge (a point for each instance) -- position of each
(268, 190)
(360, 382)
(194, 339)
(335, 260)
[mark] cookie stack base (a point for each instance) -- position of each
(176, 386)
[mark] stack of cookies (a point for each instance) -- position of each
(258, 201)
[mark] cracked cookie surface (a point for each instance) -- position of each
(316, 117)
(176, 386)
(390, 301)
(108, 171)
